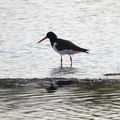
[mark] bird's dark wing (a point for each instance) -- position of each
(65, 44)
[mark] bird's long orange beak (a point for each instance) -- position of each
(42, 39)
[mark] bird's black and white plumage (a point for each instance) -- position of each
(63, 46)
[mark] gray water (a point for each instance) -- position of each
(92, 24)
(67, 103)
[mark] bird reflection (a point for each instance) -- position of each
(60, 71)
(53, 85)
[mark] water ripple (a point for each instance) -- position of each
(66, 103)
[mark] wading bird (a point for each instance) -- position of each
(63, 47)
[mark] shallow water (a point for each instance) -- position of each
(92, 24)
(70, 103)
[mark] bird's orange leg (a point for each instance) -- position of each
(61, 60)
(70, 61)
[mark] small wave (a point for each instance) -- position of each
(58, 81)
(112, 74)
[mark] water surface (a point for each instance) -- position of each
(70, 103)
(92, 24)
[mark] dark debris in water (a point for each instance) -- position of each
(112, 74)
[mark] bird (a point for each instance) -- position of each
(63, 47)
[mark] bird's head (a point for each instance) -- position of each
(49, 35)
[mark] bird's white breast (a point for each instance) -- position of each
(54, 47)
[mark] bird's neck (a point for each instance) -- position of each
(52, 41)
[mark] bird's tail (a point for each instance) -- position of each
(87, 51)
